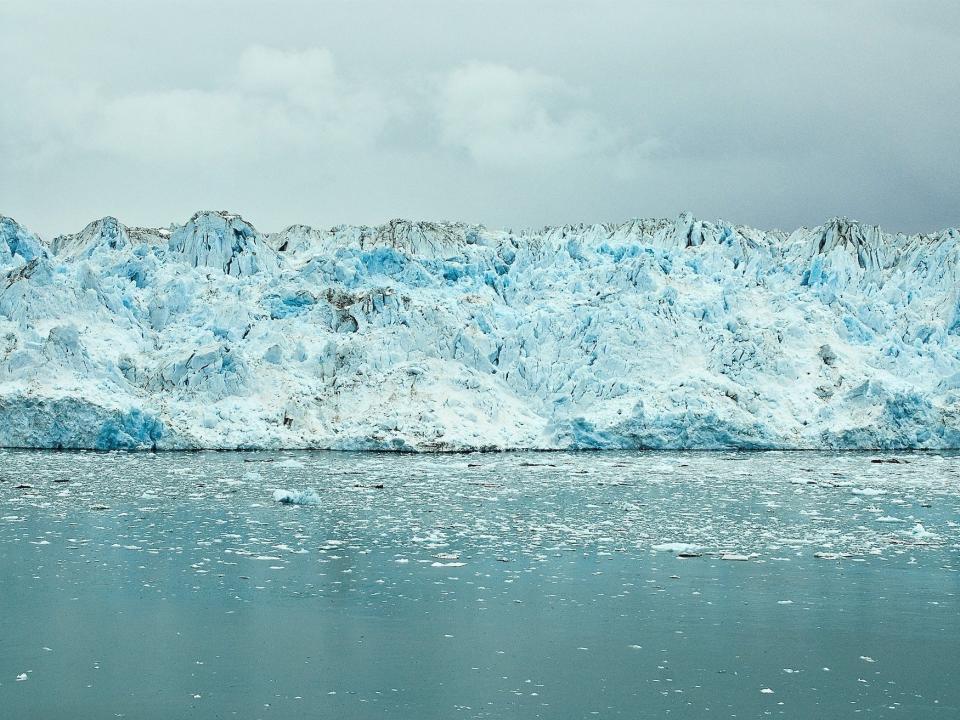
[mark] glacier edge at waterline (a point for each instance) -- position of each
(421, 336)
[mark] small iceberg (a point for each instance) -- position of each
(736, 557)
(920, 533)
(289, 463)
(296, 497)
(680, 548)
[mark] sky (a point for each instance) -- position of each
(511, 114)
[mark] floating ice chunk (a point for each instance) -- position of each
(889, 519)
(677, 547)
(868, 492)
(919, 532)
(296, 497)
(288, 463)
(734, 556)
(21, 677)
(767, 691)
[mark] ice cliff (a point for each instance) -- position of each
(421, 336)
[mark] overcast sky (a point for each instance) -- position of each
(774, 114)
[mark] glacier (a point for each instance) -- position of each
(420, 336)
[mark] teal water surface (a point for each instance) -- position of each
(479, 586)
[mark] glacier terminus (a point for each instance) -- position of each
(419, 336)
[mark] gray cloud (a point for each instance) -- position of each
(508, 113)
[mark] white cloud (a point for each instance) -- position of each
(278, 103)
(509, 118)
(304, 75)
(319, 105)
(178, 125)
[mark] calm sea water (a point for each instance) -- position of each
(479, 586)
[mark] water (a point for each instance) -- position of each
(479, 586)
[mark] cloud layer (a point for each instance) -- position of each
(510, 114)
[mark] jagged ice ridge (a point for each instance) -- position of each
(436, 336)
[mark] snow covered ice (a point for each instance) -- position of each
(422, 336)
